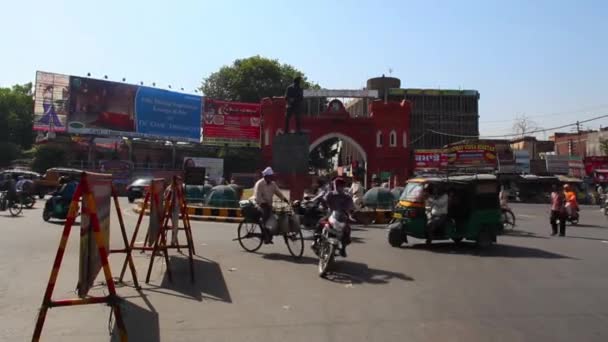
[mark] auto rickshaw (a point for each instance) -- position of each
(473, 210)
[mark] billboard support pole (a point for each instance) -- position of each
(83, 190)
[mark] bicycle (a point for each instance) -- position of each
(14, 207)
(250, 234)
(508, 218)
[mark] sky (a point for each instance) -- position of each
(547, 60)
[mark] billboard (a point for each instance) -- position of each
(557, 164)
(50, 102)
(522, 161)
(430, 159)
(100, 107)
(231, 123)
(90, 262)
(477, 156)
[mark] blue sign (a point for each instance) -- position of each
(172, 115)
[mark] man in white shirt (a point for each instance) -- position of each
(437, 202)
(263, 192)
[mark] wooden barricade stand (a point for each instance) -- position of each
(85, 192)
(175, 194)
(174, 199)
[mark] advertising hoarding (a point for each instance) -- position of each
(522, 161)
(90, 262)
(50, 102)
(100, 107)
(430, 159)
(472, 156)
(231, 123)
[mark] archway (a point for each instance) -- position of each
(346, 153)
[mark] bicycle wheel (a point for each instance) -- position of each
(250, 236)
(295, 243)
(508, 219)
(15, 208)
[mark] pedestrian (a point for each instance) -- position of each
(558, 211)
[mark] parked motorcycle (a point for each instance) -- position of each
(329, 242)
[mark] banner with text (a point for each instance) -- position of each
(472, 156)
(231, 123)
(100, 107)
(430, 159)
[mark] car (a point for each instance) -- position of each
(49, 182)
(138, 188)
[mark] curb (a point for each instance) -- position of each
(206, 214)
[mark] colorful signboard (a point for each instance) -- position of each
(90, 262)
(231, 123)
(430, 159)
(99, 107)
(50, 102)
(472, 156)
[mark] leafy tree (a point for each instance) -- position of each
(47, 156)
(322, 155)
(8, 152)
(252, 79)
(17, 115)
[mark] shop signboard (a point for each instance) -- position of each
(474, 156)
(430, 159)
(231, 123)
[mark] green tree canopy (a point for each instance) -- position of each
(17, 115)
(252, 79)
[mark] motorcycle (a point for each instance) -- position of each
(310, 212)
(55, 209)
(572, 215)
(329, 242)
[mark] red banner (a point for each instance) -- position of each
(231, 123)
(430, 159)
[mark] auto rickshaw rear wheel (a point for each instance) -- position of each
(394, 238)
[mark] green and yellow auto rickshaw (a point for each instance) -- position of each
(473, 210)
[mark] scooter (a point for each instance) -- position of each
(55, 209)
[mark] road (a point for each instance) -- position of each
(529, 287)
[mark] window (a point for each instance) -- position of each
(393, 139)
(379, 139)
(405, 139)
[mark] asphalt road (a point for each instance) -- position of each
(528, 287)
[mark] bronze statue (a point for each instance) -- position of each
(294, 96)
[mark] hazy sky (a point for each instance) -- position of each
(547, 58)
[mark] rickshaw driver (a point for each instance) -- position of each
(437, 204)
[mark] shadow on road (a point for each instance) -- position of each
(141, 324)
(288, 258)
(348, 272)
(496, 250)
(209, 282)
(521, 233)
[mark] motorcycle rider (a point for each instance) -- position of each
(571, 203)
(65, 192)
(338, 200)
(263, 191)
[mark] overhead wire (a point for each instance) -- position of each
(518, 134)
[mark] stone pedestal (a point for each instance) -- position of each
(290, 154)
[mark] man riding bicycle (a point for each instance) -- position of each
(263, 191)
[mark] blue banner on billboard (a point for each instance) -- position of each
(164, 113)
(104, 108)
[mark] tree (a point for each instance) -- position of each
(252, 79)
(321, 156)
(48, 156)
(523, 125)
(17, 115)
